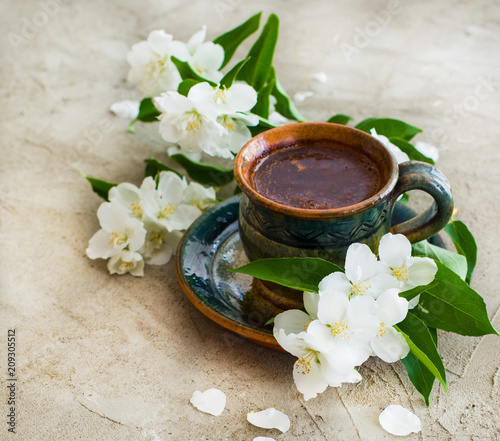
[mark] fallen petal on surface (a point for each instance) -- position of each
(269, 419)
(399, 421)
(212, 401)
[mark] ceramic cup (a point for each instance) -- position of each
(271, 229)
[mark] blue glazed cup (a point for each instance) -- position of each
(270, 229)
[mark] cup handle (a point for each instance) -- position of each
(415, 175)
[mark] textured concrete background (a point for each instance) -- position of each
(117, 358)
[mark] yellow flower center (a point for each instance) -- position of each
(136, 209)
(193, 121)
(220, 95)
(157, 241)
(382, 330)
(307, 325)
(125, 266)
(116, 239)
(303, 364)
(360, 288)
(168, 210)
(227, 122)
(340, 329)
(401, 273)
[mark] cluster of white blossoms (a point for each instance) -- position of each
(353, 315)
(210, 119)
(144, 225)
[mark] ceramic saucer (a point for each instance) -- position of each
(208, 250)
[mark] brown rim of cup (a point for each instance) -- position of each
(292, 134)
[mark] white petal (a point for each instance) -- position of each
(171, 187)
(310, 382)
(382, 282)
(335, 282)
(391, 347)
(427, 150)
(112, 217)
(300, 97)
(212, 401)
(320, 77)
(292, 343)
(394, 249)
(398, 153)
(240, 98)
(197, 39)
(208, 57)
(159, 41)
(100, 247)
(311, 300)
(318, 337)
(127, 109)
(413, 302)
(399, 421)
(201, 92)
(263, 438)
(422, 272)
(332, 307)
(390, 308)
(292, 321)
(338, 365)
(360, 263)
(269, 419)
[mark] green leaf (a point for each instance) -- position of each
(185, 86)
(229, 78)
(452, 305)
(284, 105)
(422, 345)
(187, 73)
(237, 190)
(392, 128)
(99, 186)
(231, 40)
(148, 111)
(410, 150)
(256, 71)
(261, 108)
(263, 125)
(153, 167)
(452, 260)
(421, 377)
(405, 198)
(205, 174)
(465, 244)
(340, 118)
(302, 273)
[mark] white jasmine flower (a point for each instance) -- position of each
(130, 197)
(212, 401)
(399, 421)
(390, 309)
(345, 325)
(231, 105)
(206, 58)
(127, 109)
(160, 244)
(126, 262)
(269, 419)
(165, 206)
(119, 232)
(199, 196)
(395, 255)
(427, 150)
(239, 97)
(363, 275)
(151, 67)
(191, 124)
(315, 369)
(395, 150)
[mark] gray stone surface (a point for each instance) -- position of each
(117, 358)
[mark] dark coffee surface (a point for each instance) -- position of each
(317, 177)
